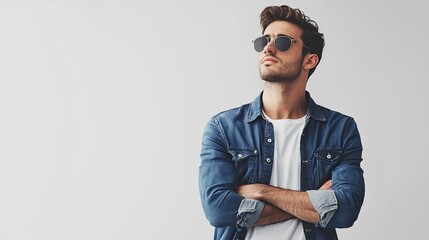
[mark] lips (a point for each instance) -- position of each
(269, 60)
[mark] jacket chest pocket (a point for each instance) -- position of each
(327, 160)
(245, 163)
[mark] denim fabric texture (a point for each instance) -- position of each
(249, 212)
(238, 148)
(325, 203)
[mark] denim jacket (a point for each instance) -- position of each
(237, 149)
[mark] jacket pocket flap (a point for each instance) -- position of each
(240, 154)
(329, 155)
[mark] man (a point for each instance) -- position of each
(282, 167)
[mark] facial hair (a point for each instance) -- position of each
(287, 73)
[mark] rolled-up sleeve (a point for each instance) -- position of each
(249, 212)
(218, 179)
(325, 203)
(347, 180)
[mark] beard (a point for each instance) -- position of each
(287, 73)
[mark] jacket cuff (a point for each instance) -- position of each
(249, 212)
(325, 202)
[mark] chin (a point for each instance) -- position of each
(270, 76)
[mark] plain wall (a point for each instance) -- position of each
(103, 104)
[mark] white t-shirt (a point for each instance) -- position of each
(286, 173)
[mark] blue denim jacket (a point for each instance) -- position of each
(236, 151)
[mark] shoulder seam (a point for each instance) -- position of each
(222, 132)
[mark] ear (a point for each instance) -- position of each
(310, 61)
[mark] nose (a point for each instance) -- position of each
(270, 48)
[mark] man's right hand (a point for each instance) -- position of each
(326, 186)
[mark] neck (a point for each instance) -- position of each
(284, 101)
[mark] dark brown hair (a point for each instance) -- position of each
(311, 36)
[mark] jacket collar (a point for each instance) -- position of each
(313, 110)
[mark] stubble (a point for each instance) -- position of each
(287, 73)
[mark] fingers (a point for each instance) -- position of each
(250, 190)
(245, 190)
(326, 186)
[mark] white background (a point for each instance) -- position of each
(103, 103)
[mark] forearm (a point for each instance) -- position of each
(296, 203)
(272, 214)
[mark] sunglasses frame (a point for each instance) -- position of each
(291, 39)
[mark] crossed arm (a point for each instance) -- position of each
(221, 196)
(282, 204)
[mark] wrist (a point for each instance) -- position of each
(262, 191)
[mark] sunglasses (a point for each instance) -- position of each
(282, 43)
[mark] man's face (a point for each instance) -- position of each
(276, 66)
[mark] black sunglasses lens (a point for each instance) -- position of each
(260, 43)
(282, 43)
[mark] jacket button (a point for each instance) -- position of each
(328, 156)
(268, 159)
(269, 140)
(240, 155)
